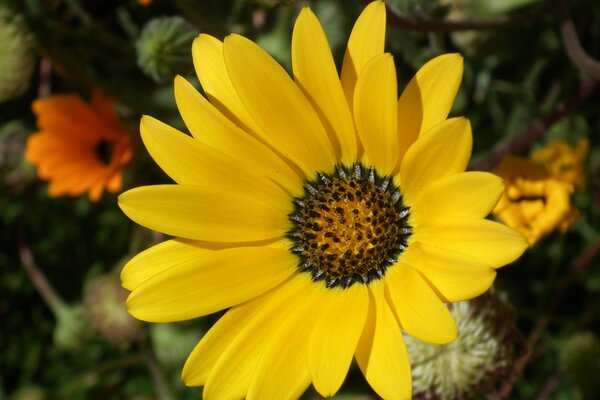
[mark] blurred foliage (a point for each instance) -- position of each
(514, 76)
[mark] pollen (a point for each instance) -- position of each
(349, 227)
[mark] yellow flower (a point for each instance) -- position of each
(323, 244)
(79, 147)
(534, 203)
(563, 161)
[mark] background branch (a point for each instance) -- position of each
(540, 127)
(37, 277)
(575, 270)
(586, 64)
(407, 24)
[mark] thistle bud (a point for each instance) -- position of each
(477, 360)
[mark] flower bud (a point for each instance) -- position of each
(104, 301)
(163, 48)
(17, 59)
(580, 361)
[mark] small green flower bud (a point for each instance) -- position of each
(479, 358)
(71, 327)
(173, 343)
(104, 301)
(17, 59)
(14, 171)
(28, 393)
(580, 361)
(163, 48)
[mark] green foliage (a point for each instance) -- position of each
(514, 78)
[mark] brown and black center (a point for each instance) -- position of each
(349, 227)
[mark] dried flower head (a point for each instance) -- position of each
(564, 162)
(534, 203)
(473, 363)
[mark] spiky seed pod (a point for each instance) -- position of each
(471, 365)
(17, 59)
(163, 48)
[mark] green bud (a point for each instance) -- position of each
(163, 48)
(17, 59)
(71, 327)
(479, 358)
(580, 361)
(104, 301)
(28, 393)
(173, 343)
(14, 171)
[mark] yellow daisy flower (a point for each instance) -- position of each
(323, 212)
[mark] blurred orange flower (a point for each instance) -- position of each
(144, 2)
(79, 147)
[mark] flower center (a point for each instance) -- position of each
(349, 226)
(104, 150)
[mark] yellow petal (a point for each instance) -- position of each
(212, 128)
(238, 358)
(315, 73)
(218, 338)
(420, 311)
(207, 54)
(334, 338)
(278, 106)
(158, 258)
(444, 151)
(428, 97)
(375, 113)
(455, 276)
(282, 371)
(381, 353)
(210, 282)
(467, 194)
(366, 41)
(190, 162)
(488, 241)
(192, 213)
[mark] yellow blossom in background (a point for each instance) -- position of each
(563, 161)
(534, 202)
(326, 214)
(79, 147)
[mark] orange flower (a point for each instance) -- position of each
(79, 147)
(144, 2)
